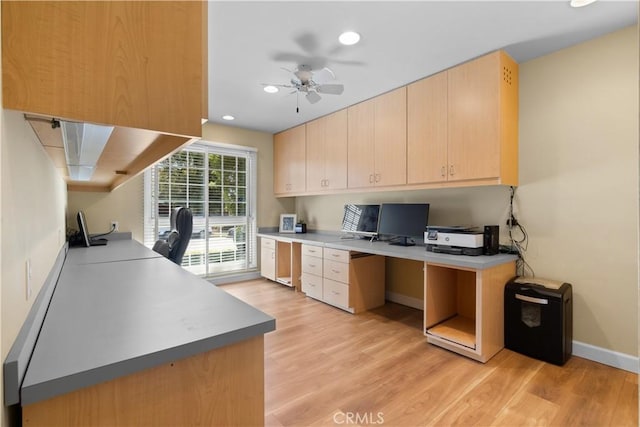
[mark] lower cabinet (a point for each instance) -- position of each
(268, 258)
(280, 261)
(312, 271)
(464, 310)
(351, 281)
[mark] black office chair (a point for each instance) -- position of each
(176, 244)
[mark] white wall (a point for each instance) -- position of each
(125, 205)
(33, 204)
(578, 190)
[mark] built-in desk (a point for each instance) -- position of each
(463, 295)
(131, 338)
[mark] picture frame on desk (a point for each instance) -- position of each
(288, 223)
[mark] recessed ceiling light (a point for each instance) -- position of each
(228, 117)
(349, 38)
(270, 89)
(580, 3)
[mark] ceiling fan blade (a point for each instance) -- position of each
(275, 84)
(347, 62)
(308, 42)
(323, 75)
(332, 89)
(313, 97)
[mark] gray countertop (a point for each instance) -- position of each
(417, 253)
(115, 250)
(110, 319)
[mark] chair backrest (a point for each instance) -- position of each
(184, 227)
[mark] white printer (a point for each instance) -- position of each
(455, 240)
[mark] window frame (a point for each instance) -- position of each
(151, 219)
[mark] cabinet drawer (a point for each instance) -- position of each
(335, 293)
(267, 243)
(312, 285)
(337, 271)
(311, 264)
(336, 255)
(311, 250)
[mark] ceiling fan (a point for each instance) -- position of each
(312, 83)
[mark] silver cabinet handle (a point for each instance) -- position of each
(335, 271)
(451, 170)
(532, 299)
(443, 171)
(371, 179)
(377, 177)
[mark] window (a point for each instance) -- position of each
(217, 182)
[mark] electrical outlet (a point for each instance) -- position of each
(114, 225)
(28, 278)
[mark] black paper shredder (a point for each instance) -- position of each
(538, 318)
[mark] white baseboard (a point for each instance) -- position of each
(404, 300)
(606, 357)
(238, 277)
(586, 351)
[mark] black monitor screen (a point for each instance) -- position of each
(85, 238)
(405, 221)
(84, 232)
(360, 219)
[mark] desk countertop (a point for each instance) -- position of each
(120, 309)
(417, 253)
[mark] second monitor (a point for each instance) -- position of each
(403, 221)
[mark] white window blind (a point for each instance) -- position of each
(218, 183)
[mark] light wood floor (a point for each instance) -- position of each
(324, 366)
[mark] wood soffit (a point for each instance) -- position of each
(128, 152)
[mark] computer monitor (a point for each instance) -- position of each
(360, 220)
(403, 221)
(85, 238)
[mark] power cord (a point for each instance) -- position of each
(113, 228)
(519, 238)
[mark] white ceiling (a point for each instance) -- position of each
(401, 42)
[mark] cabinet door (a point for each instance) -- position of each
(390, 135)
(327, 152)
(361, 145)
(427, 130)
(335, 149)
(474, 119)
(315, 154)
(289, 158)
(126, 63)
(268, 258)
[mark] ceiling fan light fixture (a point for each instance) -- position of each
(349, 38)
(271, 89)
(580, 3)
(228, 117)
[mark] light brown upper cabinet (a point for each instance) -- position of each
(289, 161)
(377, 141)
(462, 124)
(327, 153)
(427, 130)
(483, 120)
(136, 64)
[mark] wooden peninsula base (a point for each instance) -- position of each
(224, 386)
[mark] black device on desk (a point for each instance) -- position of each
(404, 221)
(86, 240)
